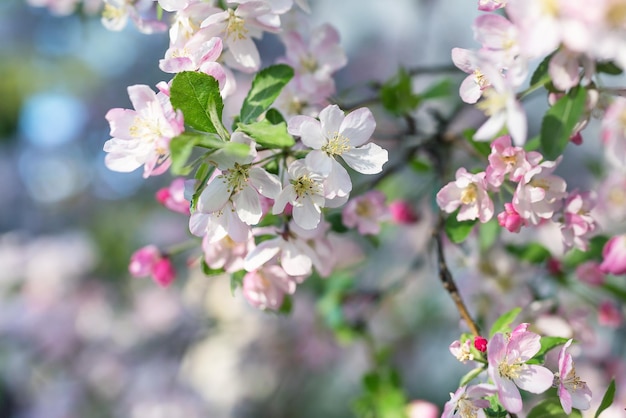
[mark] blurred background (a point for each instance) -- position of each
(80, 338)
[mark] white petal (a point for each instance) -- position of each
(262, 253)
(368, 159)
(311, 134)
(358, 126)
(338, 182)
(247, 205)
(198, 224)
(214, 196)
(294, 261)
(307, 215)
(319, 162)
(331, 118)
(266, 183)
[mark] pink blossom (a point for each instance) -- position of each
(498, 35)
(507, 159)
(314, 61)
(200, 52)
(149, 260)
(468, 401)
(338, 135)
(609, 315)
(578, 224)
(117, 12)
(476, 82)
(572, 391)
(614, 255)
(508, 369)
(510, 219)
(226, 254)
(266, 287)
(461, 351)
(366, 212)
(142, 136)
(469, 192)
(402, 212)
(173, 197)
(237, 28)
(589, 272)
(540, 193)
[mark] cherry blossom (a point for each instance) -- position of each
(510, 219)
(469, 192)
(614, 133)
(338, 135)
(476, 82)
(572, 391)
(366, 212)
(117, 12)
(226, 253)
(149, 261)
(266, 287)
(578, 224)
(540, 193)
(402, 212)
(507, 159)
(468, 402)
(508, 369)
(461, 351)
(237, 28)
(305, 192)
(142, 136)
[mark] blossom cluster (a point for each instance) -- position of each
(509, 368)
(261, 212)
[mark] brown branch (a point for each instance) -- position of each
(448, 281)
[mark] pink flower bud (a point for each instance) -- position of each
(422, 409)
(510, 219)
(480, 344)
(402, 212)
(163, 272)
(554, 266)
(142, 261)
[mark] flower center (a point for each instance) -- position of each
(573, 382)
(616, 15)
(492, 102)
(337, 145)
(308, 63)
(364, 209)
(469, 194)
(465, 408)
(510, 370)
(236, 178)
(550, 7)
(236, 26)
(111, 12)
(541, 183)
(304, 186)
(480, 79)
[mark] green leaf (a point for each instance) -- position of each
(456, 230)
(533, 143)
(420, 166)
(576, 257)
(441, 89)
(268, 135)
(503, 324)
(274, 117)
(550, 408)
(533, 253)
(287, 306)
(198, 96)
(607, 399)
(608, 67)
(236, 280)
(397, 96)
(208, 271)
(558, 123)
(182, 146)
(547, 344)
(541, 76)
(266, 86)
(471, 375)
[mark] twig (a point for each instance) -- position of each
(448, 281)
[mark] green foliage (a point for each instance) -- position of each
(198, 96)
(576, 257)
(397, 96)
(457, 230)
(208, 271)
(607, 399)
(383, 397)
(236, 280)
(547, 344)
(551, 408)
(533, 253)
(266, 87)
(558, 123)
(268, 135)
(443, 88)
(540, 77)
(482, 148)
(503, 323)
(274, 117)
(181, 148)
(608, 67)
